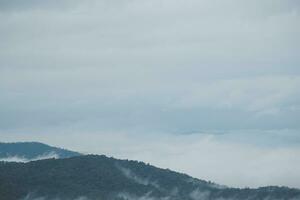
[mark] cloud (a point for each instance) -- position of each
(147, 196)
(267, 102)
(140, 180)
(19, 5)
(17, 158)
(199, 195)
(31, 196)
(258, 95)
(101, 64)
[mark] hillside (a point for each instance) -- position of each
(27, 151)
(99, 177)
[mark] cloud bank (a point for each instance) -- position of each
(159, 65)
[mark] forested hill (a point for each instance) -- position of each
(101, 178)
(26, 151)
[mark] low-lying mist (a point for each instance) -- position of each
(24, 160)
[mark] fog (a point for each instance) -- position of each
(24, 160)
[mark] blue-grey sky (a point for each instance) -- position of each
(156, 68)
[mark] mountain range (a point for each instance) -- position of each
(30, 151)
(73, 176)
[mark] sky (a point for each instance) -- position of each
(205, 87)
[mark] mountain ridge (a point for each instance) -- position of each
(28, 151)
(96, 177)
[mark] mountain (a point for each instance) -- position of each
(94, 177)
(28, 151)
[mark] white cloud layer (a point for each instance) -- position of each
(120, 65)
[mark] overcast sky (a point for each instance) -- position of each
(222, 75)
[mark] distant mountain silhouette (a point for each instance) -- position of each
(96, 177)
(26, 151)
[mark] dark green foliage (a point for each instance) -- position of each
(31, 150)
(100, 177)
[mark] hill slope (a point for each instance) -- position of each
(27, 151)
(99, 177)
